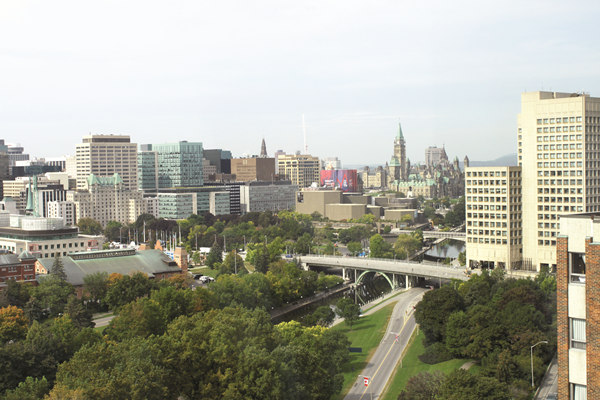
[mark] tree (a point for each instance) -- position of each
(134, 369)
(58, 269)
(53, 342)
(113, 231)
(433, 310)
(34, 311)
(15, 293)
(126, 289)
(80, 316)
(215, 256)
(96, 286)
(52, 295)
(249, 291)
(346, 309)
(303, 244)
(323, 316)
(140, 318)
(379, 248)
(262, 258)
(406, 245)
(30, 389)
(88, 226)
(423, 386)
(463, 385)
(354, 248)
(462, 258)
(13, 324)
(232, 263)
(314, 375)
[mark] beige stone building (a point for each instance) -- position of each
(107, 200)
(558, 141)
(374, 179)
(396, 214)
(340, 212)
(559, 151)
(105, 155)
(301, 169)
(253, 169)
(310, 201)
(493, 217)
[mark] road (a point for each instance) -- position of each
(381, 366)
(103, 321)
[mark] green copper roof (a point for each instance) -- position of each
(394, 162)
(29, 206)
(104, 181)
(400, 135)
(149, 262)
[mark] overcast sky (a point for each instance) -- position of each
(228, 73)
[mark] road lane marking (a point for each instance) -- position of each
(386, 356)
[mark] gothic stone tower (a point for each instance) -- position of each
(398, 168)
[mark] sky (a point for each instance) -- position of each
(230, 73)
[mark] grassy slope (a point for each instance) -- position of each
(365, 333)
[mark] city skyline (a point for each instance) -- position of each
(229, 74)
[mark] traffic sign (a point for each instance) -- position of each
(366, 381)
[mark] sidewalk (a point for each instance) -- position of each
(549, 384)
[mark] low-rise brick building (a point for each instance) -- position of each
(578, 307)
(17, 268)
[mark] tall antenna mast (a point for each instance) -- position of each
(304, 130)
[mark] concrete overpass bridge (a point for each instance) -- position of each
(462, 236)
(394, 271)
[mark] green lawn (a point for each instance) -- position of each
(411, 365)
(100, 329)
(391, 297)
(204, 271)
(366, 333)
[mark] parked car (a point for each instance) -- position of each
(206, 279)
(197, 276)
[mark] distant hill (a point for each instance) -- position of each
(504, 161)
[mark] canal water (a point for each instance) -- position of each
(446, 249)
(372, 287)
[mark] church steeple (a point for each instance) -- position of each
(263, 149)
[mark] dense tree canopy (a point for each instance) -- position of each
(494, 321)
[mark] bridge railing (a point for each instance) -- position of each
(430, 263)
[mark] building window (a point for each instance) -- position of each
(577, 267)
(577, 333)
(578, 392)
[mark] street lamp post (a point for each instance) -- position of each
(543, 341)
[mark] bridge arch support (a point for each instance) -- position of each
(360, 277)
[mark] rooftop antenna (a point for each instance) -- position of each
(304, 130)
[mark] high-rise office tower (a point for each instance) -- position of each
(104, 156)
(147, 169)
(179, 164)
(301, 169)
(559, 152)
(493, 217)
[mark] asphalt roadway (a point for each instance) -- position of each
(381, 366)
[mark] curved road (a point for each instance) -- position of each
(381, 366)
